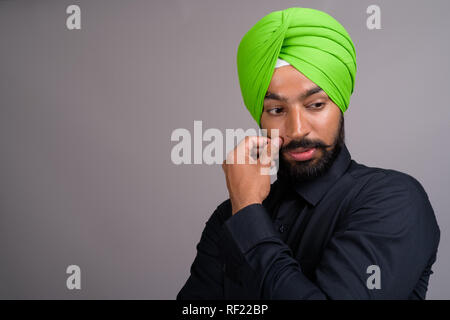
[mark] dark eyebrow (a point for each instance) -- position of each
(275, 96)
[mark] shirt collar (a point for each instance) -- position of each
(313, 190)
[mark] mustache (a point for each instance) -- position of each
(304, 143)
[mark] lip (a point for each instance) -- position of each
(302, 154)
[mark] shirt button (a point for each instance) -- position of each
(282, 228)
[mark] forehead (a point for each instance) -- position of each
(287, 77)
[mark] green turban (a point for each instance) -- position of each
(311, 41)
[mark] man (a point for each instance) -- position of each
(328, 227)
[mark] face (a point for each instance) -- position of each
(310, 123)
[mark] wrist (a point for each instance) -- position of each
(239, 205)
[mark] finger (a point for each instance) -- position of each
(265, 160)
(271, 151)
(265, 156)
(250, 148)
(255, 142)
(276, 144)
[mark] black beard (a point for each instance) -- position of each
(310, 169)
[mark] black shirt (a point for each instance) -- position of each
(356, 232)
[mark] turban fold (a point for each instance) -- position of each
(311, 41)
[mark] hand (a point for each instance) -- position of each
(246, 170)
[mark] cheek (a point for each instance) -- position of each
(326, 124)
(331, 124)
(270, 123)
(265, 121)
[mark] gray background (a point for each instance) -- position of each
(86, 118)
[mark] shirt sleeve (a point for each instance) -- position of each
(380, 250)
(206, 272)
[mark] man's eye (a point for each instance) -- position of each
(317, 105)
(275, 110)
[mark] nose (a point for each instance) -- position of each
(297, 125)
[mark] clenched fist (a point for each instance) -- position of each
(247, 168)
